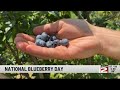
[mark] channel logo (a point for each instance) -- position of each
(104, 69)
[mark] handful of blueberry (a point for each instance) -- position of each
(46, 40)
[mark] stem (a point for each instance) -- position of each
(80, 15)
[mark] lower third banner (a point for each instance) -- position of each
(59, 69)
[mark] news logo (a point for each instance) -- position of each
(104, 69)
(112, 68)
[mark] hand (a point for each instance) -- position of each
(82, 41)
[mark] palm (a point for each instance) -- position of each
(84, 47)
(78, 48)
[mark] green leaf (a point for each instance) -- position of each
(52, 75)
(53, 13)
(8, 35)
(44, 21)
(72, 15)
(2, 46)
(1, 36)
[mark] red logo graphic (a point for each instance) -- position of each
(104, 69)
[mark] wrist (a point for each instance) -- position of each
(109, 41)
(97, 34)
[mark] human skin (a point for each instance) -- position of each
(85, 40)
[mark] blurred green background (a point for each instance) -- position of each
(13, 22)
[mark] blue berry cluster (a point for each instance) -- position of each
(52, 41)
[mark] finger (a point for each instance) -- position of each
(18, 39)
(51, 28)
(31, 43)
(60, 52)
(27, 37)
(21, 46)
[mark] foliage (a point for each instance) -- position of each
(13, 22)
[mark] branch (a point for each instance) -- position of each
(80, 15)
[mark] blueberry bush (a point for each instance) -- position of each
(13, 22)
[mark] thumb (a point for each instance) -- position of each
(51, 28)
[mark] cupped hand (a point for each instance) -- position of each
(82, 41)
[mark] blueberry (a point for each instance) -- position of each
(48, 38)
(56, 42)
(41, 37)
(49, 44)
(37, 41)
(44, 34)
(40, 42)
(38, 37)
(54, 38)
(64, 42)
